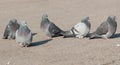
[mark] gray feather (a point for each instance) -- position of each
(102, 29)
(49, 28)
(24, 35)
(86, 21)
(10, 29)
(68, 34)
(106, 29)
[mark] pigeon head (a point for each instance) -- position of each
(23, 23)
(111, 18)
(85, 19)
(44, 16)
(12, 22)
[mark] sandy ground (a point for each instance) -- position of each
(60, 51)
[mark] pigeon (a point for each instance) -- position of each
(80, 30)
(10, 29)
(23, 35)
(49, 28)
(106, 29)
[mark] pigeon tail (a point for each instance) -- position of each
(67, 34)
(93, 35)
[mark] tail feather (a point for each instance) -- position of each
(67, 34)
(92, 36)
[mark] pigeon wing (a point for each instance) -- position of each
(54, 30)
(112, 27)
(6, 32)
(102, 29)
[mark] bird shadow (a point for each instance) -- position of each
(34, 34)
(39, 42)
(117, 35)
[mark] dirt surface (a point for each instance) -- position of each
(60, 51)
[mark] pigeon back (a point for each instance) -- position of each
(102, 29)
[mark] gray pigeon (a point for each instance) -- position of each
(10, 30)
(23, 35)
(80, 30)
(49, 28)
(106, 29)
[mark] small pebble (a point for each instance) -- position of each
(118, 44)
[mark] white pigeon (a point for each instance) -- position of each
(80, 30)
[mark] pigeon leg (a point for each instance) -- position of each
(27, 44)
(80, 37)
(21, 44)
